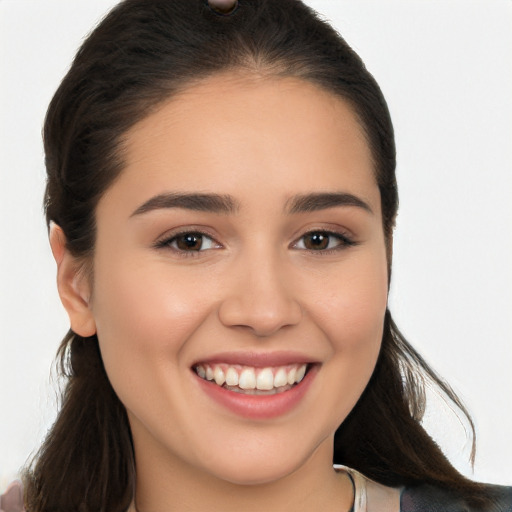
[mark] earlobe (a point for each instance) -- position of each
(73, 285)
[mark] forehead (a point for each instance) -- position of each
(247, 132)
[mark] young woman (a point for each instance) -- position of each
(221, 199)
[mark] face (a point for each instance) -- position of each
(241, 246)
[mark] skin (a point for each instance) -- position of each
(255, 287)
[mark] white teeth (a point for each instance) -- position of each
(232, 377)
(300, 373)
(253, 380)
(265, 379)
(291, 376)
(218, 375)
(280, 378)
(247, 379)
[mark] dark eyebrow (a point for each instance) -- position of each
(215, 203)
(323, 200)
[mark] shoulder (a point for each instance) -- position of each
(426, 498)
(371, 496)
(12, 499)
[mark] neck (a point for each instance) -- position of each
(315, 485)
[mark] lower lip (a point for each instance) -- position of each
(259, 406)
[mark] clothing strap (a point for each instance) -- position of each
(369, 496)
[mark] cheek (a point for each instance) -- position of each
(353, 303)
(351, 315)
(143, 320)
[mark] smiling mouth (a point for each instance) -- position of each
(250, 380)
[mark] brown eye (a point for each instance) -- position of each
(316, 241)
(323, 241)
(189, 242)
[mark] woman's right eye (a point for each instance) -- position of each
(189, 242)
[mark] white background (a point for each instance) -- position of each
(446, 70)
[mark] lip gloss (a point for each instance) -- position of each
(258, 406)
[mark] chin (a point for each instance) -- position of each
(259, 463)
(253, 473)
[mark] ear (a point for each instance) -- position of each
(73, 285)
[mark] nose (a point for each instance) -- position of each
(259, 297)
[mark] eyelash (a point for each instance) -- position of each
(344, 241)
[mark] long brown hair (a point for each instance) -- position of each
(141, 54)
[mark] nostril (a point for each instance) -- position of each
(223, 7)
(260, 313)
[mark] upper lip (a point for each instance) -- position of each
(257, 359)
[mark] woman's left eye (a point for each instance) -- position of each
(189, 242)
(322, 241)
